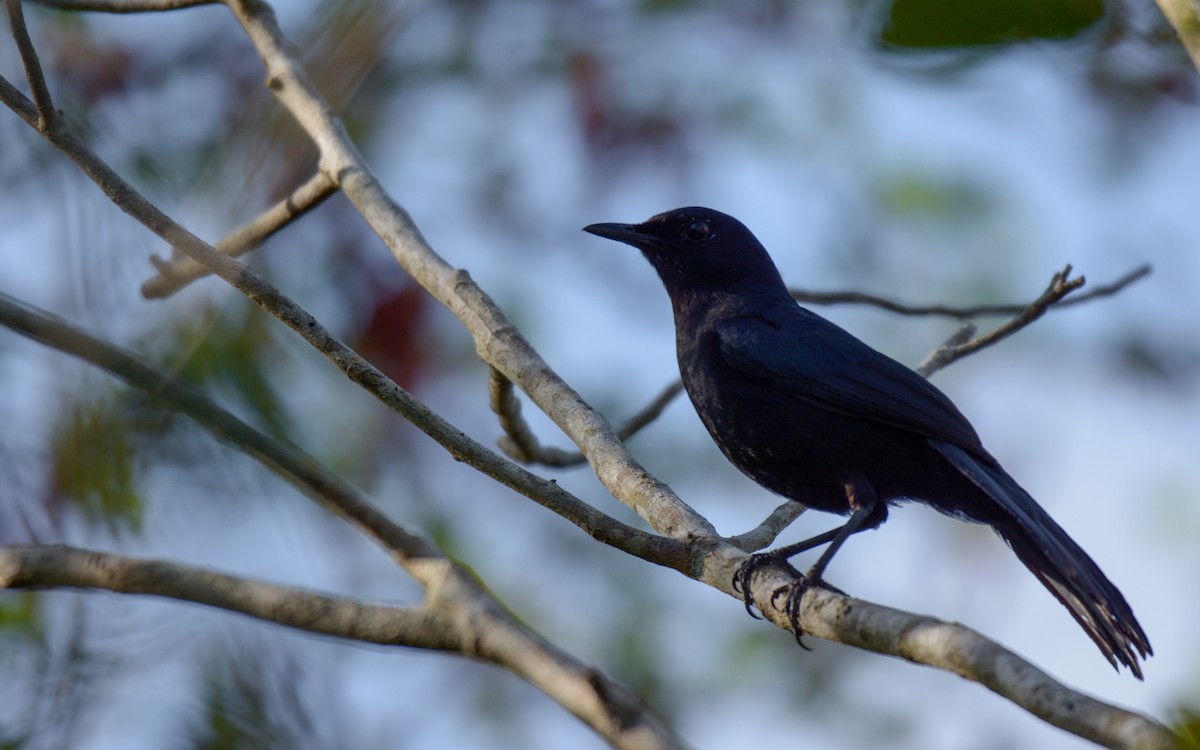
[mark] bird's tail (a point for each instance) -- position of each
(1058, 562)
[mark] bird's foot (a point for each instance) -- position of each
(793, 594)
(744, 576)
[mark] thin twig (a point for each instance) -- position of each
(33, 68)
(1060, 286)
(962, 313)
(521, 444)
(764, 535)
(181, 270)
(18, 102)
(124, 6)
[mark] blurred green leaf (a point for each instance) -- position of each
(19, 614)
(1188, 728)
(927, 24)
(231, 351)
(913, 195)
(94, 461)
(239, 710)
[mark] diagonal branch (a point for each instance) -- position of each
(124, 6)
(763, 535)
(180, 271)
(497, 340)
(33, 68)
(481, 626)
(1184, 17)
(963, 651)
(657, 549)
(953, 350)
(302, 470)
(520, 444)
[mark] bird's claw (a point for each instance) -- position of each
(741, 584)
(745, 574)
(792, 593)
(793, 596)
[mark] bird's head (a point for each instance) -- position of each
(696, 249)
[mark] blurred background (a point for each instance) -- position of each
(928, 151)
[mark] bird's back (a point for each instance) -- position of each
(802, 407)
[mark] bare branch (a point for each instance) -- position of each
(181, 270)
(650, 412)
(305, 472)
(18, 102)
(480, 625)
(1184, 16)
(961, 650)
(962, 313)
(33, 68)
(124, 6)
(497, 341)
(520, 444)
(958, 649)
(647, 546)
(763, 535)
(1060, 286)
(459, 616)
(499, 344)
(58, 566)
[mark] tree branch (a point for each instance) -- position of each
(961, 650)
(302, 470)
(181, 270)
(1184, 16)
(763, 535)
(124, 6)
(955, 349)
(520, 444)
(482, 626)
(967, 312)
(498, 343)
(459, 616)
(56, 566)
(655, 549)
(33, 68)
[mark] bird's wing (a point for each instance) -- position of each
(820, 363)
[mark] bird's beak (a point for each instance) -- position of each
(630, 234)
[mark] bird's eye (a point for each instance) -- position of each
(697, 230)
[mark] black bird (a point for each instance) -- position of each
(811, 413)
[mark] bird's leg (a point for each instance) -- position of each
(862, 500)
(861, 497)
(778, 557)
